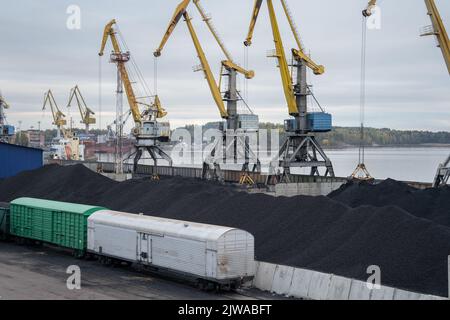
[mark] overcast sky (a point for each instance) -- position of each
(407, 81)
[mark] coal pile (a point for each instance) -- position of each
(318, 233)
(431, 204)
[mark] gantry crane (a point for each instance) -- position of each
(6, 131)
(437, 29)
(148, 131)
(87, 115)
(59, 118)
(301, 149)
(234, 132)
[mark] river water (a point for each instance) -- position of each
(406, 164)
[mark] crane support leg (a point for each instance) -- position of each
(234, 147)
(443, 174)
(156, 153)
(303, 151)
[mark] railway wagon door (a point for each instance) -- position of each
(144, 248)
(211, 263)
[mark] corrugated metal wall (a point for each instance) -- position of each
(15, 159)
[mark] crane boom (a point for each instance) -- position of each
(86, 113)
(58, 117)
(282, 61)
(110, 32)
(300, 54)
(369, 10)
(207, 69)
(180, 12)
(438, 29)
(229, 63)
(251, 29)
(212, 29)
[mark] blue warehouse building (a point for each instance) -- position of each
(15, 159)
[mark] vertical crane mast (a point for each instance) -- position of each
(87, 115)
(148, 132)
(301, 149)
(121, 58)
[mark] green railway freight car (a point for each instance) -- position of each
(4, 220)
(59, 223)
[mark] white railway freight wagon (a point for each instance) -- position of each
(205, 253)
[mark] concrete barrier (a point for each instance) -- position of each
(359, 291)
(319, 285)
(339, 288)
(306, 188)
(406, 295)
(308, 284)
(282, 280)
(300, 283)
(384, 293)
(264, 276)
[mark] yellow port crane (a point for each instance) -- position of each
(59, 118)
(437, 29)
(87, 115)
(148, 131)
(230, 112)
(301, 149)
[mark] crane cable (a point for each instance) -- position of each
(363, 91)
(100, 100)
(155, 75)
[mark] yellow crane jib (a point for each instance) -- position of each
(300, 55)
(280, 53)
(85, 112)
(251, 29)
(154, 109)
(117, 51)
(180, 12)
(369, 10)
(229, 63)
(438, 29)
(58, 117)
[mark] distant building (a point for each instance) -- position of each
(36, 138)
(15, 159)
